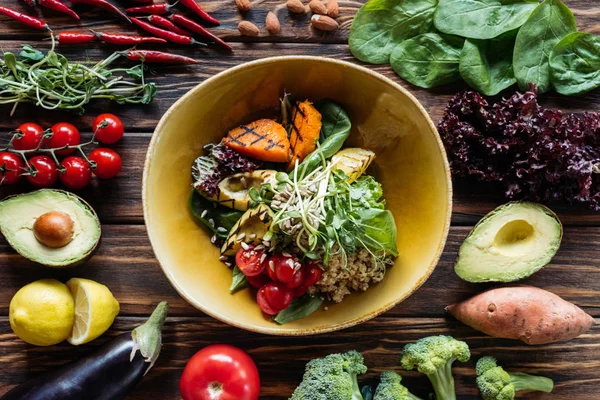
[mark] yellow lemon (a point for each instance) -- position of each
(95, 310)
(42, 313)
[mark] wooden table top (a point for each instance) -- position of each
(126, 264)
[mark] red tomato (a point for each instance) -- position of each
(109, 128)
(108, 163)
(45, 174)
(261, 299)
(285, 268)
(220, 372)
(313, 274)
(11, 167)
(77, 173)
(29, 137)
(300, 291)
(258, 281)
(278, 296)
(299, 278)
(251, 262)
(63, 134)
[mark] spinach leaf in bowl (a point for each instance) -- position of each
(380, 25)
(482, 19)
(486, 65)
(549, 23)
(575, 64)
(428, 60)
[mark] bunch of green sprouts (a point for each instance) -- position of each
(52, 82)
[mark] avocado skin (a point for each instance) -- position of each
(523, 265)
(80, 261)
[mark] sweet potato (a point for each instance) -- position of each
(526, 313)
(264, 140)
(305, 131)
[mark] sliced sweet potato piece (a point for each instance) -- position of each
(264, 140)
(305, 131)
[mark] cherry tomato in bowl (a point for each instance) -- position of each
(28, 137)
(251, 262)
(109, 128)
(220, 372)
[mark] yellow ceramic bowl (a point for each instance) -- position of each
(411, 164)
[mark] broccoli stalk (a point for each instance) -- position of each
(332, 378)
(497, 384)
(391, 388)
(434, 356)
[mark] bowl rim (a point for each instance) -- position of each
(324, 328)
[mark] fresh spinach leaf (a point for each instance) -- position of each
(300, 308)
(486, 65)
(207, 211)
(335, 130)
(482, 19)
(379, 230)
(380, 25)
(238, 280)
(428, 60)
(549, 23)
(366, 192)
(575, 64)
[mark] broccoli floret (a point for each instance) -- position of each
(497, 384)
(391, 388)
(332, 378)
(433, 356)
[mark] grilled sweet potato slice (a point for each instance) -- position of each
(264, 140)
(305, 131)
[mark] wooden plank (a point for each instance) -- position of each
(125, 262)
(572, 365)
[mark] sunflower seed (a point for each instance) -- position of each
(263, 258)
(272, 266)
(245, 246)
(221, 229)
(241, 236)
(259, 247)
(203, 213)
(252, 236)
(213, 239)
(228, 264)
(223, 258)
(211, 222)
(286, 254)
(244, 182)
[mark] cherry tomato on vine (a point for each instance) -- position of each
(220, 372)
(278, 296)
(108, 163)
(112, 132)
(46, 173)
(31, 135)
(11, 167)
(64, 134)
(77, 173)
(251, 262)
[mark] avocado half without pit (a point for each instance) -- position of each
(510, 243)
(50, 227)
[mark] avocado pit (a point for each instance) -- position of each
(54, 229)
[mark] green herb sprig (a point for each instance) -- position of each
(52, 82)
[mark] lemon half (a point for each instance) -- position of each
(95, 310)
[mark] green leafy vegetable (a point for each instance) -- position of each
(428, 60)
(380, 25)
(549, 23)
(367, 192)
(29, 54)
(300, 308)
(575, 64)
(207, 211)
(238, 280)
(379, 230)
(482, 19)
(486, 65)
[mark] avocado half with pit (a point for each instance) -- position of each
(50, 227)
(510, 243)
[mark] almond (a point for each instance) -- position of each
(243, 5)
(324, 23)
(333, 8)
(296, 6)
(247, 28)
(317, 7)
(272, 23)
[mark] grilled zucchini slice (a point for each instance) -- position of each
(234, 191)
(251, 228)
(353, 161)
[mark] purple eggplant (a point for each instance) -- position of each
(107, 374)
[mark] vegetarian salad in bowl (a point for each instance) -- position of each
(294, 212)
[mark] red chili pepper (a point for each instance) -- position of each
(75, 37)
(58, 6)
(166, 24)
(193, 6)
(117, 38)
(164, 8)
(187, 23)
(152, 56)
(105, 5)
(25, 19)
(170, 36)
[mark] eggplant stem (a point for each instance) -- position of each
(147, 337)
